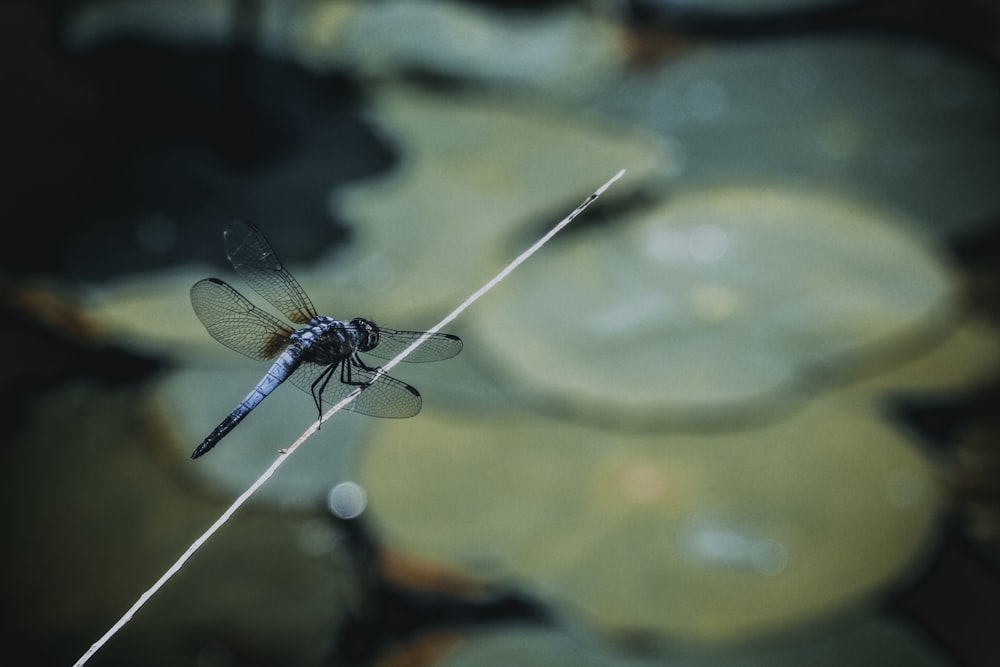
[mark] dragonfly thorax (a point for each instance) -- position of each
(327, 341)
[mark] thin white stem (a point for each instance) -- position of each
(266, 475)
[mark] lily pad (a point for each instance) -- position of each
(904, 120)
(477, 176)
(709, 301)
(698, 536)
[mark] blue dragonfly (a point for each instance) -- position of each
(321, 357)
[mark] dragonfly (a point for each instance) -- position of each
(322, 356)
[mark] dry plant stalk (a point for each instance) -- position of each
(285, 453)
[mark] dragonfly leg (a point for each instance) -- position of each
(319, 386)
(360, 362)
(345, 372)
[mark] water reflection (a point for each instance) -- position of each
(347, 500)
(721, 546)
(670, 245)
(708, 243)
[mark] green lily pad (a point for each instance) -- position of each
(700, 536)
(710, 300)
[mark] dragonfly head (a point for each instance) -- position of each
(367, 332)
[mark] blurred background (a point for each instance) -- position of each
(741, 412)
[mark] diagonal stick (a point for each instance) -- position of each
(266, 475)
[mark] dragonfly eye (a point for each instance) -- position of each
(368, 331)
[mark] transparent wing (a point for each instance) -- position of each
(388, 397)
(235, 322)
(437, 347)
(256, 262)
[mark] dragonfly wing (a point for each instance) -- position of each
(255, 260)
(436, 347)
(235, 322)
(386, 397)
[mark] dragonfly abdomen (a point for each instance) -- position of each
(282, 367)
